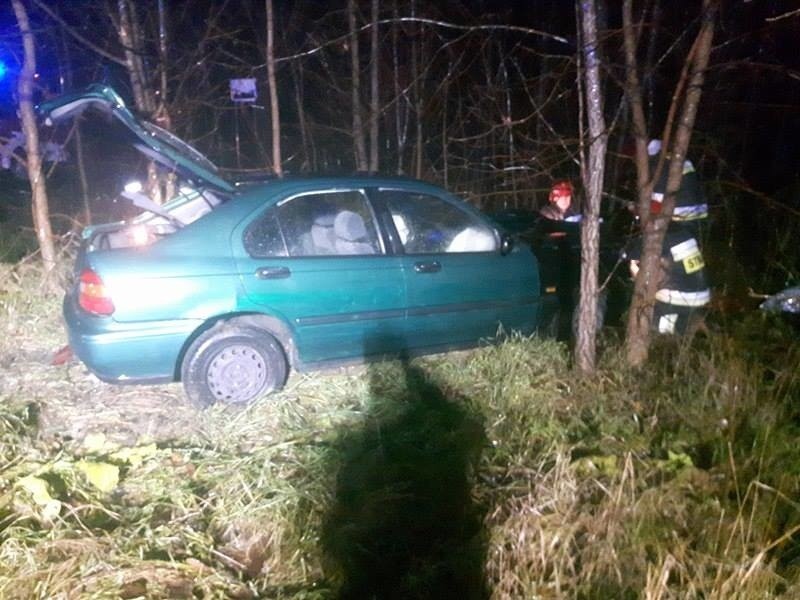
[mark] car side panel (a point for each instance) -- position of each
(162, 294)
(154, 290)
(131, 352)
(338, 307)
(471, 296)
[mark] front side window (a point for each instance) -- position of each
(430, 225)
(335, 223)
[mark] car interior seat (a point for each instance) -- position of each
(322, 235)
(351, 234)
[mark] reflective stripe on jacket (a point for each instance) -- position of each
(690, 213)
(680, 298)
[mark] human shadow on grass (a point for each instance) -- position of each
(404, 523)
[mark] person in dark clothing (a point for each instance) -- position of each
(559, 205)
(691, 206)
(558, 232)
(683, 291)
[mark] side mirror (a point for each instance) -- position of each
(506, 244)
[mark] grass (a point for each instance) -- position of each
(490, 473)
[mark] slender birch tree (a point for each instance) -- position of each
(592, 170)
(163, 113)
(355, 89)
(676, 137)
(374, 96)
(130, 35)
(40, 204)
(275, 116)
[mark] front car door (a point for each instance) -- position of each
(461, 288)
(317, 261)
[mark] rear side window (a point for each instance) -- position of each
(331, 223)
(430, 225)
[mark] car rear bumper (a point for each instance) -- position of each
(145, 352)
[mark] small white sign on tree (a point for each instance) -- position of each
(244, 90)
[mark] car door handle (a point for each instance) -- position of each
(428, 267)
(273, 272)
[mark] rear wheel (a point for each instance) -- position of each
(234, 364)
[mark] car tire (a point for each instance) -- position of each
(233, 364)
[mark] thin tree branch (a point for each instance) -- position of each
(71, 31)
(443, 24)
(785, 15)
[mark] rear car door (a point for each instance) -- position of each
(461, 287)
(317, 261)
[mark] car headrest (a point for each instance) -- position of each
(349, 226)
(325, 220)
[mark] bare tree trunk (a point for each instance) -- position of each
(66, 80)
(510, 160)
(374, 100)
(445, 154)
(153, 184)
(418, 152)
(644, 185)
(128, 36)
(309, 152)
(687, 92)
(641, 311)
(400, 106)
(650, 59)
(87, 209)
(41, 212)
(358, 124)
(163, 116)
(592, 173)
(415, 50)
(543, 83)
(273, 93)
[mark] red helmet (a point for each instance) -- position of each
(560, 189)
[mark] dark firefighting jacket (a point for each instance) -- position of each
(690, 201)
(683, 280)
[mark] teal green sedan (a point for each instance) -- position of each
(226, 287)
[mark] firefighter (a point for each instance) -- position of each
(691, 207)
(683, 291)
(559, 227)
(559, 205)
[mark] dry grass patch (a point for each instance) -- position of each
(495, 470)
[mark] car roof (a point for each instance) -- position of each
(252, 195)
(350, 180)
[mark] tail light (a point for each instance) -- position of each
(93, 297)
